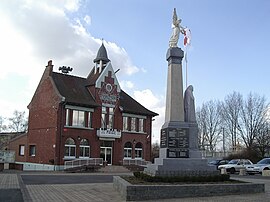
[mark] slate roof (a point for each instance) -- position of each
(102, 54)
(75, 92)
(130, 105)
(73, 89)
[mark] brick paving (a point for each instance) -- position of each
(9, 181)
(74, 192)
(98, 192)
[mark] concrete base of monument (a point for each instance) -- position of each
(180, 167)
(135, 192)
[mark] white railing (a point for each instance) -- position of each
(138, 162)
(83, 162)
(109, 133)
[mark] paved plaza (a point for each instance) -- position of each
(17, 186)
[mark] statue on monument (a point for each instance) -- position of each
(189, 105)
(177, 29)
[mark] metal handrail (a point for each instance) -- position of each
(138, 162)
(83, 162)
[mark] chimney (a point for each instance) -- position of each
(49, 68)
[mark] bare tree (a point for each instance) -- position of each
(201, 121)
(18, 123)
(252, 118)
(209, 123)
(263, 139)
(3, 127)
(231, 108)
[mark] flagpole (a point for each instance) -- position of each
(186, 68)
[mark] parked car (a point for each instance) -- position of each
(235, 165)
(257, 168)
(218, 162)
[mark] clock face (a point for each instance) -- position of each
(108, 87)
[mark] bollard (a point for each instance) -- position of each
(242, 171)
(223, 171)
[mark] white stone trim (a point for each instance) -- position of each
(134, 116)
(79, 108)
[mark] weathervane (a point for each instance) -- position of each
(65, 69)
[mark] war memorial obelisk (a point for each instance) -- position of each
(179, 154)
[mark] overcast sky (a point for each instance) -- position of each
(230, 46)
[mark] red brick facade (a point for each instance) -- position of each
(58, 94)
(15, 145)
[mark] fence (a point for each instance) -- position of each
(83, 162)
(138, 162)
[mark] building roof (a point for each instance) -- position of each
(75, 91)
(130, 105)
(102, 54)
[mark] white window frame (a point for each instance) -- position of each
(21, 150)
(138, 152)
(78, 118)
(141, 125)
(69, 146)
(32, 152)
(84, 147)
(133, 124)
(125, 123)
(90, 117)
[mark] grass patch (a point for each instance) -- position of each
(142, 178)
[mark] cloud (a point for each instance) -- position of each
(87, 19)
(126, 85)
(155, 103)
(42, 30)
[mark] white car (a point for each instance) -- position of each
(235, 165)
(257, 168)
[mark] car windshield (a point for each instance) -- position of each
(264, 161)
(234, 161)
(213, 162)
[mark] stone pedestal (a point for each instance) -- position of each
(179, 154)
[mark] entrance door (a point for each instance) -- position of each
(106, 154)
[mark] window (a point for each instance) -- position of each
(125, 123)
(103, 118)
(78, 118)
(90, 119)
(84, 149)
(70, 148)
(67, 117)
(21, 150)
(141, 125)
(110, 125)
(133, 124)
(32, 150)
(138, 151)
(128, 150)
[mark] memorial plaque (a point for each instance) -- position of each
(177, 153)
(177, 142)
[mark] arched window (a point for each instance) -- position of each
(128, 150)
(70, 148)
(138, 151)
(84, 149)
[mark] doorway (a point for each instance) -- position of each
(106, 154)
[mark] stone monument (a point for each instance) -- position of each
(179, 153)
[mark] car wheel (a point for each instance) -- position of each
(232, 170)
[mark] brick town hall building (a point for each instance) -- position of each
(72, 118)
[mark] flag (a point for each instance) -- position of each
(187, 36)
